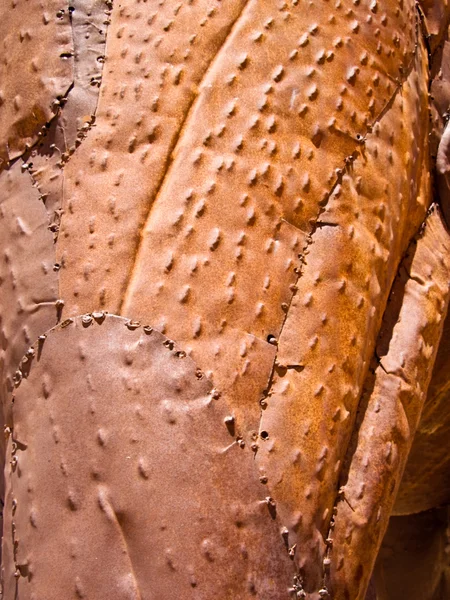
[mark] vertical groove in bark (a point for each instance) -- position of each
(247, 181)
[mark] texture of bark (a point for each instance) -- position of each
(36, 70)
(426, 481)
(225, 278)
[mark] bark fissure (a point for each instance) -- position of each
(367, 389)
(345, 168)
(169, 161)
(317, 224)
(107, 507)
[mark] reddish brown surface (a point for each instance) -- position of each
(134, 472)
(247, 177)
(89, 20)
(426, 481)
(390, 408)
(36, 69)
(156, 58)
(28, 281)
(333, 321)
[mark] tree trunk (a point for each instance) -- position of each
(224, 283)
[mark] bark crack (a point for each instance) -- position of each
(169, 160)
(108, 509)
(340, 496)
(362, 407)
(346, 167)
(317, 224)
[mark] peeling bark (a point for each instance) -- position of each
(253, 179)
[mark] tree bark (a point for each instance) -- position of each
(225, 279)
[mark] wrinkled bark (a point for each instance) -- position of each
(224, 285)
